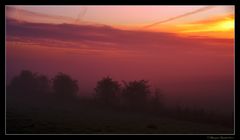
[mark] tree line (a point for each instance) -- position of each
(131, 95)
(62, 90)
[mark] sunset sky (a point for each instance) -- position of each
(188, 20)
(187, 51)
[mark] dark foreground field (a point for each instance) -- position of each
(85, 118)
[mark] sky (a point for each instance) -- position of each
(136, 17)
(186, 51)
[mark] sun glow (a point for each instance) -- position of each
(226, 25)
(223, 28)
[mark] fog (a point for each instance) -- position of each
(193, 72)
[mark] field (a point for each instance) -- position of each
(85, 118)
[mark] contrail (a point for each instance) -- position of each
(81, 14)
(180, 16)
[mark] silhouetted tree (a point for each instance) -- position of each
(26, 83)
(135, 94)
(106, 90)
(64, 86)
(28, 88)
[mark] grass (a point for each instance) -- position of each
(89, 119)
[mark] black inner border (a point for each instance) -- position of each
(132, 2)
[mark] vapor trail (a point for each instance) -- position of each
(180, 16)
(81, 14)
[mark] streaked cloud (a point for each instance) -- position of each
(180, 16)
(101, 36)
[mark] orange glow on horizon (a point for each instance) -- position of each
(221, 27)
